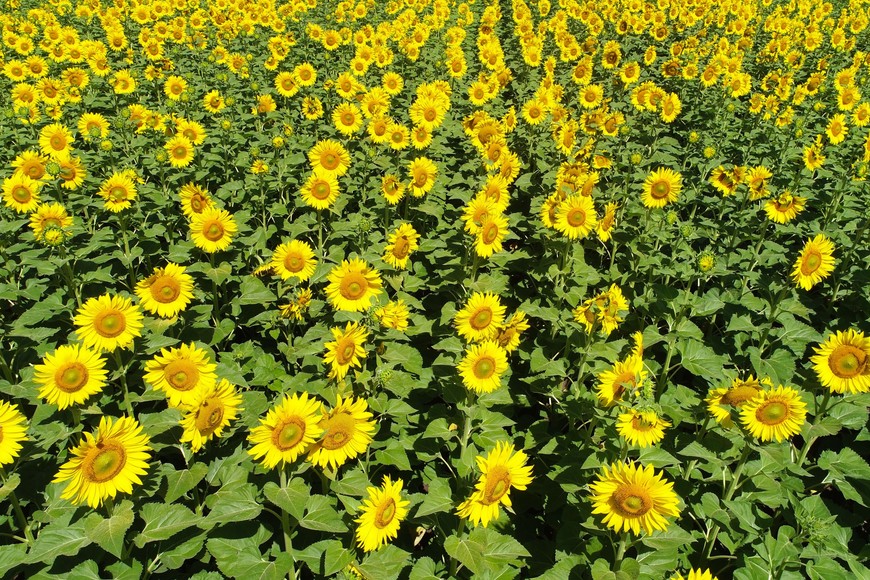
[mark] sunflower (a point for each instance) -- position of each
(213, 102)
(605, 226)
(380, 515)
(476, 210)
(720, 402)
(294, 259)
(393, 315)
(352, 285)
(641, 428)
(30, 163)
(489, 238)
(106, 462)
(194, 200)
(632, 497)
(400, 245)
(398, 136)
(211, 410)
(192, 130)
(347, 432)
(180, 150)
(347, 118)
(287, 430)
(392, 188)
(21, 193)
(49, 216)
(55, 140)
(784, 207)
(509, 334)
(842, 362)
(628, 374)
(305, 74)
(576, 217)
(13, 430)
(108, 322)
(180, 373)
(72, 173)
(93, 126)
(696, 574)
(481, 317)
(213, 230)
(166, 292)
(422, 172)
(329, 156)
(118, 191)
(346, 350)
(815, 262)
(837, 129)
(285, 84)
(70, 375)
(774, 414)
(502, 469)
(661, 187)
(320, 190)
(482, 366)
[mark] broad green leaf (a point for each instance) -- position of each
(56, 541)
(467, 552)
(321, 514)
(438, 499)
(231, 505)
(178, 483)
(162, 521)
(291, 499)
(108, 533)
(325, 558)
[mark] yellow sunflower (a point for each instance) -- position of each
(784, 207)
(118, 191)
(352, 285)
(21, 193)
(72, 173)
(815, 262)
(380, 515)
(294, 259)
(400, 245)
(502, 469)
(493, 229)
(842, 362)
(174, 87)
(394, 315)
(633, 497)
(392, 188)
(422, 172)
(180, 373)
(774, 414)
(347, 118)
(347, 432)
(576, 217)
(481, 317)
(194, 200)
(329, 156)
(166, 292)
(626, 375)
(213, 230)
(108, 322)
(696, 574)
(49, 216)
(105, 463)
(55, 140)
(31, 163)
(13, 426)
(720, 402)
(180, 150)
(320, 190)
(70, 375)
(211, 411)
(605, 226)
(641, 428)
(661, 187)
(346, 350)
(510, 333)
(482, 366)
(287, 430)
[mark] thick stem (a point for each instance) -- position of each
(123, 370)
(620, 552)
(285, 526)
(820, 410)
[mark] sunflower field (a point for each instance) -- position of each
(435, 289)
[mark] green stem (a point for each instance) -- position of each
(127, 257)
(116, 354)
(819, 412)
(729, 493)
(19, 514)
(663, 375)
(454, 563)
(620, 552)
(285, 526)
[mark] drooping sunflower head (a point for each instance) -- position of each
(842, 362)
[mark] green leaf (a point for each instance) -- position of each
(438, 499)
(162, 521)
(56, 541)
(238, 504)
(385, 563)
(179, 483)
(253, 291)
(291, 499)
(778, 365)
(321, 515)
(108, 533)
(467, 552)
(241, 558)
(11, 556)
(10, 485)
(699, 359)
(325, 558)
